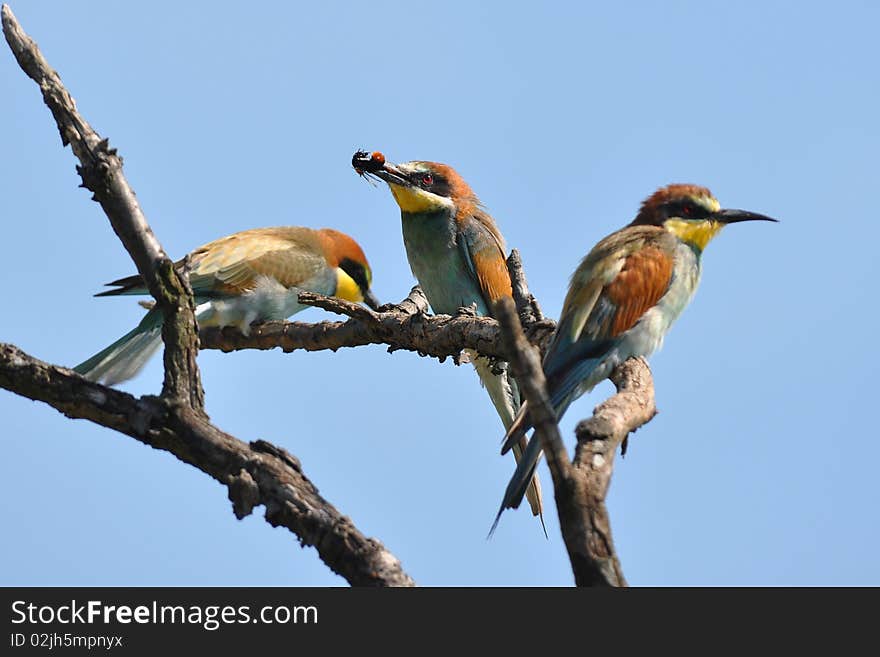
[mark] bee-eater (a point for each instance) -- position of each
(457, 253)
(254, 275)
(621, 301)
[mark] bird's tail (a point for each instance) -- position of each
(562, 390)
(519, 482)
(124, 358)
(531, 456)
(516, 430)
(504, 394)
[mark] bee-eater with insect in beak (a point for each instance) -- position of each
(457, 254)
(254, 275)
(621, 301)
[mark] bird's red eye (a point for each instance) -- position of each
(428, 179)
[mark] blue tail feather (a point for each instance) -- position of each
(563, 389)
(124, 358)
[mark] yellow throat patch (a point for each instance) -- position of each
(416, 201)
(694, 233)
(346, 288)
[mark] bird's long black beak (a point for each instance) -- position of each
(371, 300)
(736, 216)
(392, 175)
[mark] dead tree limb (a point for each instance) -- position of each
(526, 304)
(101, 172)
(255, 473)
(580, 487)
(598, 439)
(406, 326)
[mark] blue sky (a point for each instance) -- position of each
(760, 467)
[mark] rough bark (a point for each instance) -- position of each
(580, 487)
(255, 473)
(406, 326)
(101, 172)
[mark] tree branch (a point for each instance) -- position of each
(526, 363)
(526, 304)
(404, 326)
(101, 172)
(598, 438)
(255, 473)
(580, 488)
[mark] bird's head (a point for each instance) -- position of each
(353, 274)
(691, 213)
(419, 187)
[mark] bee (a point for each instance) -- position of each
(364, 162)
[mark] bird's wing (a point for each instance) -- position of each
(615, 285)
(128, 285)
(482, 249)
(232, 265)
(568, 353)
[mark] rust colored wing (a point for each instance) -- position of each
(482, 249)
(615, 285)
(643, 279)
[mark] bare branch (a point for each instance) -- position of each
(404, 326)
(255, 473)
(593, 557)
(580, 488)
(101, 173)
(526, 304)
(568, 491)
(526, 363)
(613, 420)
(340, 306)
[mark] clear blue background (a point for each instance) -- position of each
(762, 465)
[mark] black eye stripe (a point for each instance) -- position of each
(438, 185)
(686, 210)
(356, 271)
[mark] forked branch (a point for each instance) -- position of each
(580, 487)
(255, 473)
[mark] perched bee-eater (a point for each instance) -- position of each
(621, 301)
(457, 254)
(254, 275)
